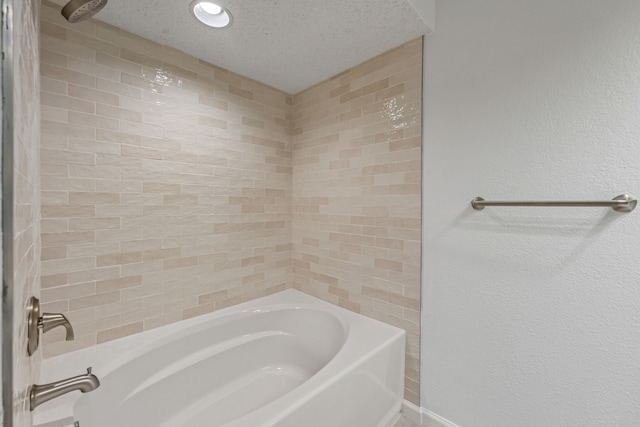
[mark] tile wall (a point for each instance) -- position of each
(26, 187)
(166, 184)
(357, 193)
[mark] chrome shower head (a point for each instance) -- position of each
(79, 10)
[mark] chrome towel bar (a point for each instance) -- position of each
(622, 203)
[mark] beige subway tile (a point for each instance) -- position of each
(66, 130)
(54, 307)
(146, 82)
(56, 239)
(94, 300)
(52, 86)
(52, 280)
(181, 199)
(58, 225)
(118, 64)
(66, 75)
(53, 58)
(92, 249)
(116, 87)
(118, 137)
(142, 268)
(158, 254)
(212, 297)
(119, 332)
(375, 293)
(142, 291)
(118, 210)
(340, 293)
(67, 292)
(54, 197)
(93, 223)
(159, 187)
(62, 347)
(93, 172)
(118, 259)
(158, 321)
(135, 151)
(248, 121)
(90, 94)
(410, 303)
(67, 211)
(118, 113)
(341, 90)
(141, 245)
(180, 262)
(80, 38)
(198, 311)
(163, 144)
(212, 122)
(93, 121)
(93, 69)
(213, 102)
(53, 252)
(240, 92)
(64, 102)
(76, 197)
(139, 58)
(125, 187)
(224, 303)
(52, 183)
(93, 274)
(103, 286)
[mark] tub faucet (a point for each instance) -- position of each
(38, 394)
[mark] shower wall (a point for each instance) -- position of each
(357, 193)
(26, 209)
(166, 187)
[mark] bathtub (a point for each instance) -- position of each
(286, 360)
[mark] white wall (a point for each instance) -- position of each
(531, 316)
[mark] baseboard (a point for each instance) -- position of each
(429, 419)
(412, 412)
(424, 417)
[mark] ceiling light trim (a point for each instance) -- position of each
(219, 20)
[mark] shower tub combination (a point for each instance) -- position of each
(286, 360)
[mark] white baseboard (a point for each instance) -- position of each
(429, 419)
(424, 417)
(412, 412)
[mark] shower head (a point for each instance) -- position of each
(79, 10)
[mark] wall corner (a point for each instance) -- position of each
(427, 11)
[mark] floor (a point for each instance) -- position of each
(405, 422)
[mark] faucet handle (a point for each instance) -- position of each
(49, 321)
(89, 370)
(44, 322)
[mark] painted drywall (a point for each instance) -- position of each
(531, 316)
(427, 11)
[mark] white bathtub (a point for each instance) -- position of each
(286, 360)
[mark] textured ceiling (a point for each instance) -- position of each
(287, 44)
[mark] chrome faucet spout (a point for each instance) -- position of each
(38, 394)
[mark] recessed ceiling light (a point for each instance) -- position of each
(210, 8)
(211, 14)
